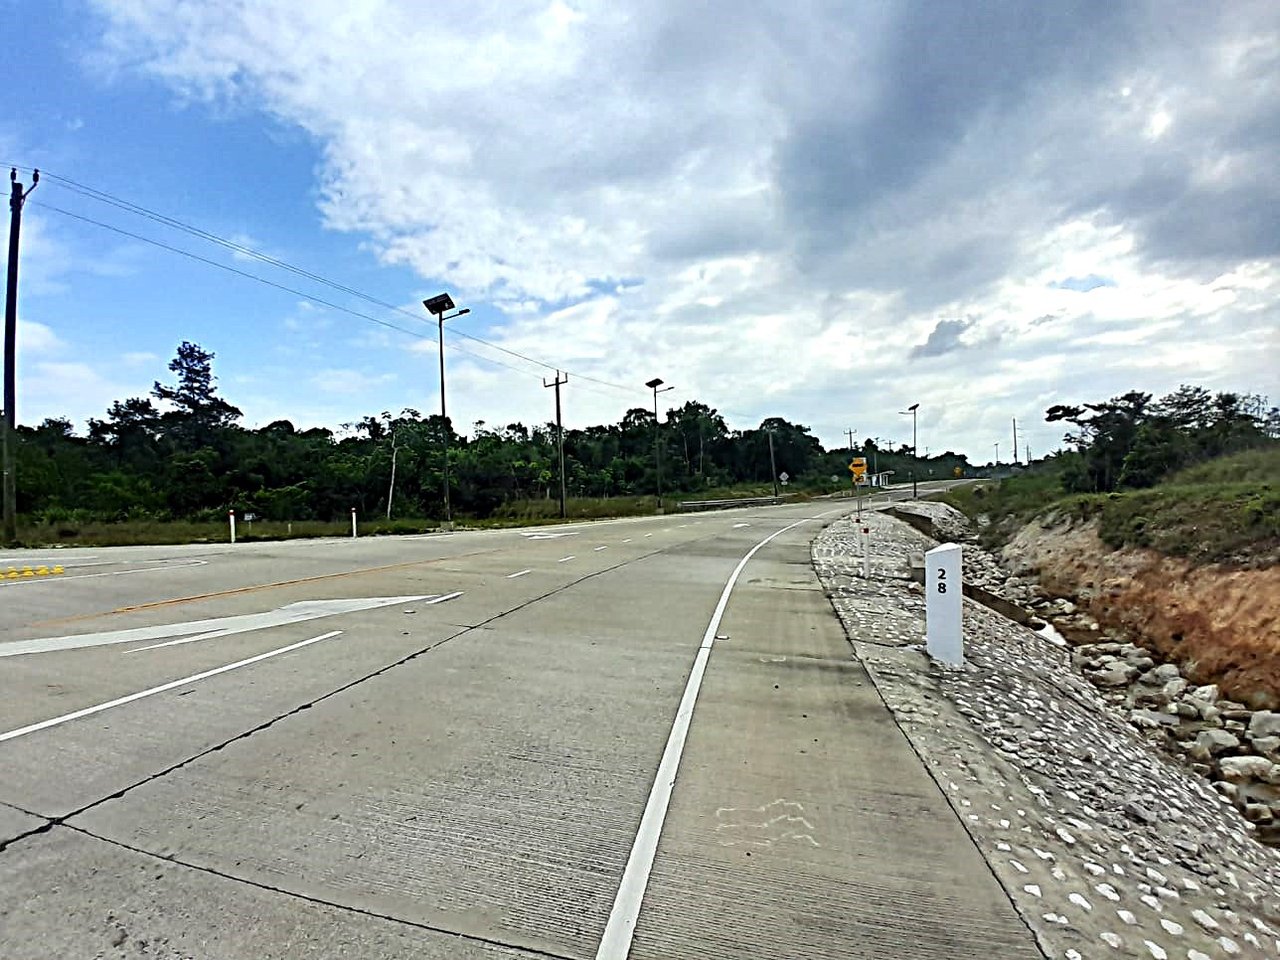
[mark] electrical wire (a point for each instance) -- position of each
(243, 250)
(270, 283)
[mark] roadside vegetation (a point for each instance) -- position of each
(167, 468)
(1192, 475)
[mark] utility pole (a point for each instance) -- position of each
(773, 467)
(1015, 441)
(558, 383)
(17, 197)
(850, 433)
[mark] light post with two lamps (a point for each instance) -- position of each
(653, 385)
(438, 306)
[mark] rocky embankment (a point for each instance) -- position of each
(1221, 737)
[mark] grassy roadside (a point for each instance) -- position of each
(1223, 511)
(519, 513)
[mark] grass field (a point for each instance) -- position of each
(1223, 511)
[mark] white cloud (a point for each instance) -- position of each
(772, 206)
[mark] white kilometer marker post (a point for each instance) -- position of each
(943, 592)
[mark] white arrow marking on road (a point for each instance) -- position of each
(88, 711)
(221, 626)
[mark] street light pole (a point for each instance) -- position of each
(915, 454)
(653, 385)
(438, 306)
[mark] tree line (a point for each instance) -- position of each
(1134, 440)
(180, 453)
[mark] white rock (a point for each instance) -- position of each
(1204, 919)
(1172, 926)
(1237, 769)
(1111, 940)
(1229, 946)
(1157, 951)
(1264, 723)
(1206, 694)
(1080, 901)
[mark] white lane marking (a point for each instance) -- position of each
(598, 549)
(628, 540)
(550, 536)
(292, 613)
(57, 578)
(512, 576)
(737, 525)
(566, 559)
(177, 643)
(648, 534)
(89, 711)
(616, 942)
(442, 599)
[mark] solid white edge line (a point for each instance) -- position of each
(89, 711)
(615, 944)
(512, 576)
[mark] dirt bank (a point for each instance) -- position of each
(1219, 624)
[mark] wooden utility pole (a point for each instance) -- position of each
(558, 383)
(17, 197)
(1015, 440)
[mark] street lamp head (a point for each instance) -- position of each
(463, 312)
(913, 407)
(438, 304)
(655, 383)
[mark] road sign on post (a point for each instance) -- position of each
(943, 593)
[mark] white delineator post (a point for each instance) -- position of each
(943, 594)
(866, 553)
(353, 521)
(231, 518)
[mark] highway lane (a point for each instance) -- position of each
(466, 779)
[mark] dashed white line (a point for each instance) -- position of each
(628, 540)
(566, 559)
(512, 576)
(737, 525)
(648, 534)
(598, 549)
(89, 711)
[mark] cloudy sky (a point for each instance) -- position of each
(825, 211)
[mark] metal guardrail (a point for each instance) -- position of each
(726, 504)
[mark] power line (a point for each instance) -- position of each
(270, 283)
(173, 223)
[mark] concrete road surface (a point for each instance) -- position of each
(638, 738)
